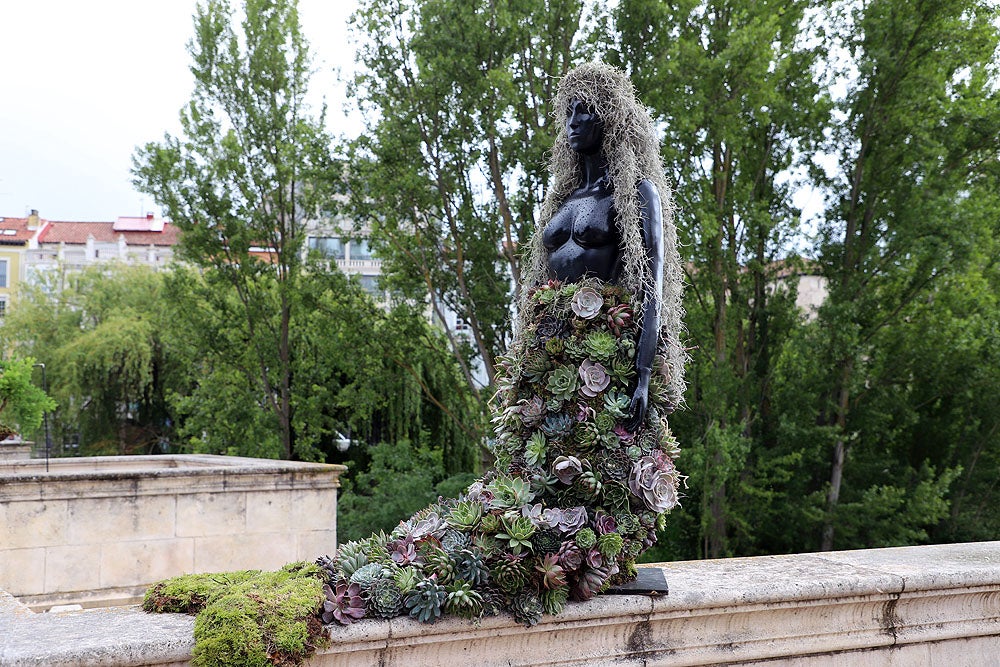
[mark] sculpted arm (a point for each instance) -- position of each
(652, 238)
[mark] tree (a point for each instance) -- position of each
(102, 338)
(921, 118)
(733, 85)
(450, 170)
(250, 166)
(22, 403)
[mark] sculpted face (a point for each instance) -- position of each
(584, 129)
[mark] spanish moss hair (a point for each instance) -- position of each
(632, 151)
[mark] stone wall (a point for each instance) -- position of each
(933, 605)
(97, 531)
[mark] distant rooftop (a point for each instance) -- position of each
(15, 231)
(137, 231)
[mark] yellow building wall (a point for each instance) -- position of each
(14, 255)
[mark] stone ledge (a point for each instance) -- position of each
(903, 606)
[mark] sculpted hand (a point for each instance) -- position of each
(640, 402)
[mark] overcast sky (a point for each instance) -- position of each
(82, 83)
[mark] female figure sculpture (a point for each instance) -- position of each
(584, 469)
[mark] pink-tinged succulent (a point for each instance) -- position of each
(623, 435)
(604, 523)
(584, 412)
(572, 520)
(587, 303)
(553, 575)
(655, 482)
(566, 468)
(531, 410)
(343, 605)
(619, 317)
(594, 377)
(403, 551)
(570, 556)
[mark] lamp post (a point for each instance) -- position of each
(45, 418)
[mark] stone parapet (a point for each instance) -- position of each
(97, 531)
(932, 605)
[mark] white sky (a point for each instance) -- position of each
(82, 83)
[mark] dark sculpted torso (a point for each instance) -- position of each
(582, 238)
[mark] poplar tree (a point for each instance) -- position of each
(247, 170)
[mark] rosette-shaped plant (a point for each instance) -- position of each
(555, 346)
(567, 468)
(534, 451)
(438, 564)
(471, 566)
(510, 492)
(628, 523)
(535, 365)
(517, 533)
(600, 345)
(589, 484)
(454, 540)
(385, 598)
(554, 601)
(586, 539)
(546, 541)
(426, 600)
(550, 327)
(587, 303)
(407, 578)
(510, 573)
(330, 570)
(594, 378)
(490, 524)
(604, 523)
(588, 583)
(616, 496)
(553, 575)
(572, 520)
(610, 545)
(403, 551)
(617, 403)
(430, 524)
(350, 557)
(652, 482)
(366, 575)
(463, 600)
(619, 317)
(465, 515)
(557, 425)
(343, 604)
(570, 556)
(562, 382)
(531, 410)
(526, 608)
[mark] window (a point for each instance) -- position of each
(3, 273)
(3, 308)
(360, 249)
(369, 284)
(329, 246)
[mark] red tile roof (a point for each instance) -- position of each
(104, 232)
(19, 227)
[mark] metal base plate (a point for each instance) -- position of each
(650, 583)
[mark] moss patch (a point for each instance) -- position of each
(250, 618)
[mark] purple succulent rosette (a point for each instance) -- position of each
(574, 498)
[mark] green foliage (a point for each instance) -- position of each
(22, 403)
(247, 618)
(399, 480)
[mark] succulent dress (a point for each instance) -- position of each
(574, 497)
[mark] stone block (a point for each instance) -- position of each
(33, 524)
(200, 514)
(259, 551)
(22, 571)
(141, 563)
(72, 568)
(269, 512)
(314, 509)
(315, 543)
(130, 518)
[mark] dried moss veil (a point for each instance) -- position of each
(632, 151)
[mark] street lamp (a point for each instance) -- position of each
(45, 418)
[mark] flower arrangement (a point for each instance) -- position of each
(574, 499)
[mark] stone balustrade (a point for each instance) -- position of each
(931, 605)
(98, 531)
